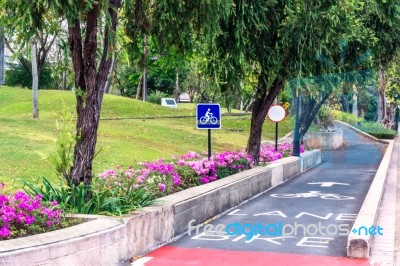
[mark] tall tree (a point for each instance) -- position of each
(90, 74)
(173, 28)
(2, 56)
(278, 40)
(86, 20)
(392, 91)
(372, 48)
(316, 90)
(35, 81)
(383, 19)
(32, 26)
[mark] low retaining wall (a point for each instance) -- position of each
(324, 140)
(113, 241)
(359, 246)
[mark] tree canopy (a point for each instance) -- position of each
(280, 40)
(252, 48)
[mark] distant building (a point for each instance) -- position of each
(184, 98)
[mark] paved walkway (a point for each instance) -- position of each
(397, 234)
(322, 203)
(383, 247)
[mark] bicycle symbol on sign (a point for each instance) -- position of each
(208, 117)
(313, 194)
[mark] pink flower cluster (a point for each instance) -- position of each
(20, 212)
(269, 154)
(163, 168)
(164, 177)
(208, 169)
(159, 176)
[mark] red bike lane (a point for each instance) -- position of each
(177, 256)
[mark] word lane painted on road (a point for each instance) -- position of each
(240, 233)
(338, 217)
(317, 234)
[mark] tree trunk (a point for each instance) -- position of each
(309, 112)
(139, 88)
(362, 114)
(355, 102)
(2, 57)
(381, 96)
(390, 115)
(145, 53)
(35, 81)
(89, 81)
(177, 89)
(257, 121)
(259, 112)
(345, 103)
(307, 104)
(109, 79)
(64, 79)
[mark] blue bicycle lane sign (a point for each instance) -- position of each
(208, 116)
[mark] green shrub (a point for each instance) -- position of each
(98, 198)
(376, 130)
(382, 135)
(372, 110)
(62, 158)
(17, 76)
(155, 97)
(346, 117)
(325, 116)
(188, 176)
(128, 80)
(372, 128)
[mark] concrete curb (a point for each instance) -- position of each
(113, 241)
(362, 132)
(280, 140)
(359, 246)
(326, 141)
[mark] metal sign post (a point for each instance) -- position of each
(209, 144)
(276, 113)
(208, 116)
(296, 135)
(276, 136)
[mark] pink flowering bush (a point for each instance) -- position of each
(163, 177)
(229, 163)
(269, 154)
(220, 165)
(22, 215)
(158, 178)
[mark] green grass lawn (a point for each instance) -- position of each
(125, 135)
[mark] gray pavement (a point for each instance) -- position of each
(328, 196)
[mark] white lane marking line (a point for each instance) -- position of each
(327, 184)
(141, 261)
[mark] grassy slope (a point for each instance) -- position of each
(25, 144)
